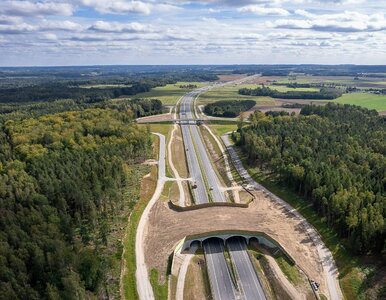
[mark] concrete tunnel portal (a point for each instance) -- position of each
(248, 237)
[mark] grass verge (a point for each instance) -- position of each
(148, 185)
(160, 290)
(289, 269)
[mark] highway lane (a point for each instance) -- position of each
(219, 276)
(209, 173)
(200, 193)
(249, 283)
(220, 280)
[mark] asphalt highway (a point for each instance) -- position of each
(219, 275)
(199, 192)
(249, 283)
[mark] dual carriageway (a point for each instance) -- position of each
(208, 188)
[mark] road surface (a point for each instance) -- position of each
(220, 280)
(198, 158)
(219, 276)
(199, 192)
(248, 281)
(144, 288)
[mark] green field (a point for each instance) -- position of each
(365, 82)
(230, 92)
(371, 101)
(169, 94)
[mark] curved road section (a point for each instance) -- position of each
(144, 288)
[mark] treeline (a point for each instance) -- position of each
(228, 109)
(62, 179)
(323, 94)
(55, 91)
(335, 157)
(37, 89)
(137, 107)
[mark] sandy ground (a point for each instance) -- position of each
(232, 77)
(264, 109)
(167, 227)
(155, 118)
(262, 80)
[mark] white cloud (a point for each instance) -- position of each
(264, 11)
(60, 25)
(119, 7)
(17, 28)
(347, 21)
(134, 27)
(28, 8)
(7, 20)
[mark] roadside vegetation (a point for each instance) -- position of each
(320, 183)
(323, 93)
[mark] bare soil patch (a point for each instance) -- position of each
(262, 80)
(301, 101)
(382, 113)
(194, 288)
(231, 77)
(155, 118)
(167, 227)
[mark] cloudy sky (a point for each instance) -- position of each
(84, 32)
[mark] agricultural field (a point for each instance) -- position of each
(231, 93)
(370, 101)
(169, 94)
(367, 100)
(365, 82)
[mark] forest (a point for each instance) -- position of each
(138, 108)
(62, 183)
(228, 108)
(323, 94)
(21, 90)
(335, 157)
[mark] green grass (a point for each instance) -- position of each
(160, 290)
(289, 269)
(219, 130)
(169, 94)
(350, 268)
(230, 92)
(371, 101)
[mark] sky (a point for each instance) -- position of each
(125, 32)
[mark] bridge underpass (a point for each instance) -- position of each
(248, 237)
(237, 279)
